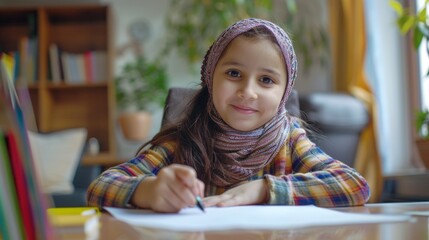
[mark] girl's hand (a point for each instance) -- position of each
(175, 187)
(254, 192)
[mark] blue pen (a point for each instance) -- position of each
(199, 203)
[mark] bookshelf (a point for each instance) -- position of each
(59, 103)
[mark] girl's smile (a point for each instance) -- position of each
(249, 82)
(243, 109)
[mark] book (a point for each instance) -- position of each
(99, 66)
(73, 65)
(89, 69)
(28, 60)
(21, 186)
(54, 60)
(72, 221)
(27, 213)
(65, 67)
(71, 216)
(10, 220)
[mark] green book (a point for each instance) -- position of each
(10, 219)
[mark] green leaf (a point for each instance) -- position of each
(397, 7)
(408, 22)
(422, 119)
(417, 37)
(421, 16)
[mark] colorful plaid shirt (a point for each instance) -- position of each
(300, 174)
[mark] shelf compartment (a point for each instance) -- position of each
(79, 107)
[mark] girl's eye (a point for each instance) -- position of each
(233, 73)
(266, 80)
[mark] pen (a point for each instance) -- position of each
(199, 203)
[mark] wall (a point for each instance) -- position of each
(386, 72)
(181, 74)
(126, 12)
(317, 77)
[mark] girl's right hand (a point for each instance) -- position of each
(175, 187)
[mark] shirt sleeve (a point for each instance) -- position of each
(316, 177)
(115, 186)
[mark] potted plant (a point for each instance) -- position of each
(418, 25)
(141, 86)
(422, 125)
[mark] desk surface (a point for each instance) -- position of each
(417, 228)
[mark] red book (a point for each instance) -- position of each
(21, 186)
(89, 75)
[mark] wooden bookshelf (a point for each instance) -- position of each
(57, 103)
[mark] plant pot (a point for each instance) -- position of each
(423, 147)
(136, 126)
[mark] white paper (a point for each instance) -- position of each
(247, 217)
(419, 213)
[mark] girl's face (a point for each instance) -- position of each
(249, 82)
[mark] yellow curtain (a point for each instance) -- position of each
(347, 25)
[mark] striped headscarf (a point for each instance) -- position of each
(248, 152)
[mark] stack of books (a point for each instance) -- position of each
(24, 209)
(22, 204)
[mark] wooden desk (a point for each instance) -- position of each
(416, 229)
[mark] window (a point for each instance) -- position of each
(424, 68)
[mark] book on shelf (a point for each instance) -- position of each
(55, 63)
(22, 203)
(87, 67)
(28, 60)
(99, 66)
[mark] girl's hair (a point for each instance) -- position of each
(194, 135)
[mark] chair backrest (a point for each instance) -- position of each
(178, 99)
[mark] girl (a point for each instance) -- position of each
(237, 144)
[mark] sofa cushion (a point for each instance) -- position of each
(334, 111)
(337, 120)
(56, 156)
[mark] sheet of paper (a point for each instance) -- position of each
(419, 213)
(247, 217)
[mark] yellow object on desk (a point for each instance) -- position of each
(70, 221)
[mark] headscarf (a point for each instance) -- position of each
(248, 152)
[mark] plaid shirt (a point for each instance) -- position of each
(300, 174)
